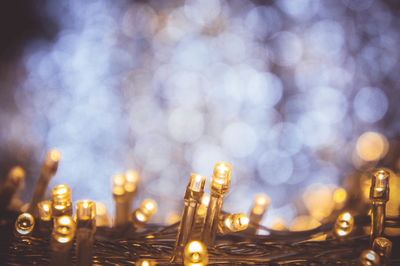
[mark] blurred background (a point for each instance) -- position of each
(295, 95)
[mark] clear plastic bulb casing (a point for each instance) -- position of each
(195, 254)
(63, 229)
(344, 224)
(61, 197)
(24, 224)
(143, 214)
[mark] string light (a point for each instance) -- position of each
(258, 210)
(219, 186)
(61, 240)
(12, 185)
(45, 216)
(47, 171)
(131, 183)
(344, 225)
(143, 214)
(85, 229)
(379, 195)
(61, 198)
(383, 247)
(195, 254)
(45, 210)
(121, 200)
(102, 218)
(231, 223)
(192, 198)
(369, 258)
(24, 224)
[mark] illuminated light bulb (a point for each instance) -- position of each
(258, 210)
(378, 195)
(86, 214)
(47, 171)
(221, 178)
(61, 240)
(102, 218)
(339, 197)
(61, 198)
(344, 225)
(24, 224)
(369, 258)
(143, 214)
(192, 198)
(131, 182)
(145, 262)
(118, 182)
(195, 254)
(121, 199)
(219, 186)
(9, 191)
(63, 229)
(231, 223)
(85, 228)
(383, 247)
(45, 210)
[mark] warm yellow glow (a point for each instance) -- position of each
(344, 224)
(132, 179)
(145, 211)
(64, 220)
(380, 185)
(61, 191)
(145, 262)
(301, 223)
(44, 208)
(173, 218)
(54, 155)
(101, 215)
(25, 223)
(205, 199)
(63, 239)
(64, 229)
(278, 224)
(221, 178)
(195, 253)
(260, 204)
(371, 146)
(59, 207)
(233, 223)
(85, 210)
(140, 217)
(118, 182)
(101, 209)
(195, 246)
(196, 182)
(150, 206)
(61, 197)
(17, 174)
(319, 201)
(340, 195)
